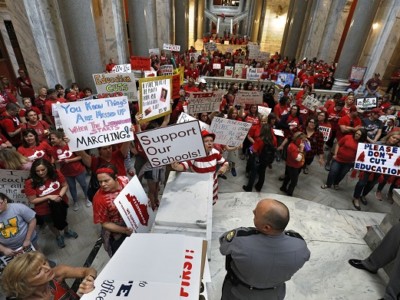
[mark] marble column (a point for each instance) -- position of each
(294, 23)
(255, 28)
(164, 22)
(82, 41)
(287, 26)
(315, 29)
(142, 26)
(356, 37)
(42, 42)
(334, 24)
(311, 6)
(200, 19)
(181, 23)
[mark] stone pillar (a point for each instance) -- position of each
(255, 28)
(287, 26)
(334, 24)
(41, 39)
(181, 23)
(311, 5)
(164, 22)
(356, 37)
(295, 22)
(142, 26)
(83, 45)
(200, 20)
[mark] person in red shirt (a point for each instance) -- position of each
(27, 102)
(349, 124)
(111, 64)
(191, 86)
(332, 102)
(48, 109)
(24, 85)
(348, 103)
(41, 127)
(4, 143)
(10, 124)
(282, 108)
(372, 85)
(32, 148)
(308, 79)
(41, 98)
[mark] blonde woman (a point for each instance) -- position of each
(10, 159)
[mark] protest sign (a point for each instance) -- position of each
(184, 117)
(229, 132)
(285, 78)
(7, 231)
(254, 49)
(116, 83)
(228, 71)
(217, 66)
(140, 63)
(265, 111)
(179, 142)
(311, 103)
(263, 56)
(96, 123)
(238, 73)
(378, 159)
(134, 271)
(210, 47)
(150, 74)
(134, 207)
(279, 132)
(194, 55)
(12, 184)
(357, 73)
(254, 73)
(249, 97)
(166, 70)
(176, 86)
(171, 47)
(125, 68)
(367, 102)
(154, 51)
(203, 102)
(155, 97)
(326, 132)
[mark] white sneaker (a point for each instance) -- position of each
(88, 203)
(75, 207)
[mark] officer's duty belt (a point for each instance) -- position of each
(236, 280)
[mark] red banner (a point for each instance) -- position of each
(140, 63)
(176, 86)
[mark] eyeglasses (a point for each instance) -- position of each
(2, 201)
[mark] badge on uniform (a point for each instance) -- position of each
(230, 235)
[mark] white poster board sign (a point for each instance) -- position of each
(96, 123)
(254, 73)
(229, 132)
(179, 142)
(210, 46)
(125, 68)
(367, 102)
(378, 159)
(154, 51)
(265, 111)
(279, 132)
(311, 103)
(184, 117)
(217, 66)
(12, 183)
(228, 71)
(326, 132)
(249, 97)
(116, 83)
(254, 49)
(134, 207)
(238, 73)
(203, 102)
(171, 47)
(140, 270)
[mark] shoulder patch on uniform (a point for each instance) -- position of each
(293, 233)
(247, 231)
(230, 235)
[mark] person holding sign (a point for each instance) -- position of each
(113, 228)
(206, 164)
(316, 140)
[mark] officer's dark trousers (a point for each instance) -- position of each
(291, 178)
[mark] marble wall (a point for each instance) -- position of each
(5, 16)
(164, 22)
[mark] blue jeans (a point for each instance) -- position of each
(337, 172)
(364, 185)
(81, 178)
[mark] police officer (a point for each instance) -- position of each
(259, 260)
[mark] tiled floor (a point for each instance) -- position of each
(326, 218)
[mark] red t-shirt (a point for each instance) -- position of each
(70, 169)
(43, 150)
(347, 150)
(11, 124)
(117, 159)
(292, 153)
(334, 116)
(22, 111)
(40, 128)
(280, 110)
(348, 121)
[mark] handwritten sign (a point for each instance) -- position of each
(203, 102)
(166, 70)
(357, 73)
(12, 184)
(263, 56)
(95, 123)
(140, 63)
(367, 102)
(179, 142)
(229, 132)
(254, 49)
(124, 83)
(285, 78)
(150, 74)
(249, 97)
(134, 207)
(154, 51)
(184, 117)
(326, 132)
(228, 71)
(378, 159)
(171, 47)
(279, 132)
(125, 68)
(155, 99)
(254, 73)
(176, 86)
(311, 103)
(265, 111)
(217, 66)
(238, 72)
(210, 46)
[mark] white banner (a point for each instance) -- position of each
(378, 159)
(178, 142)
(12, 184)
(125, 68)
(116, 83)
(311, 103)
(326, 132)
(229, 132)
(171, 47)
(203, 102)
(249, 97)
(184, 117)
(134, 207)
(96, 123)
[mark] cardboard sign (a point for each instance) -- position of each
(378, 159)
(285, 78)
(140, 63)
(166, 70)
(171, 47)
(357, 73)
(210, 47)
(96, 123)
(254, 73)
(124, 83)
(249, 97)
(12, 184)
(229, 132)
(125, 68)
(155, 97)
(184, 117)
(311, 103)
(265, 111)
(228, 71)
(154, 51)
(134, 207)
(203, 102)
(367, 102)
(139, 270)
(179, 142)
(326, 132)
